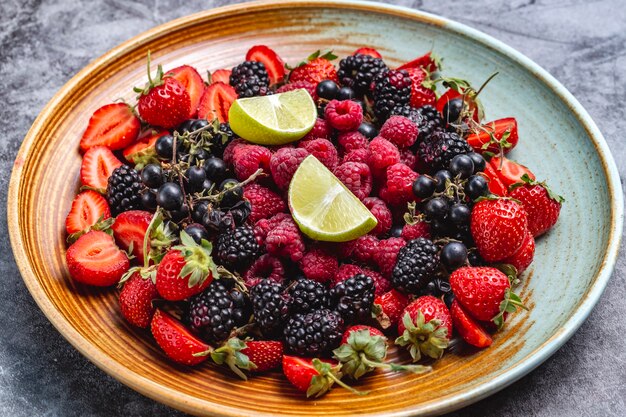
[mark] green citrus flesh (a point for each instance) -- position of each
(323, 207)
(275, 119)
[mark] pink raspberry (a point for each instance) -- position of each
(230, 150)
(263, 226)
(357, 155)
(387, 253)
(382, 213)
(357, 177)
(321, 130)
(285, 241)
(345, 271)
(264, 267)
(249, 158)
(381, 284)
(349, 141)
(264, 202)
(310, 88)
(399, 185)
(284, 163)
(399, 130)
(319, 265)
(343, 115)
(364, 249)
(324, 150)
(413, 231)
(382, 154)
(408, 158)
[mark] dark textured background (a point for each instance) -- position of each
(44, 43)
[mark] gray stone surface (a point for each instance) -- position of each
(43, 43)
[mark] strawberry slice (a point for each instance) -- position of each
(192, 81)
(176, 341)
(130, 228)
(265, 354)
(144, 147)
(97, 166)
(216, 101)
(368, 51)
(94, 259)
(273, 64)
(426, 61)
(509, 172)
(113, 125)
(468, 328)
(221, 76)
(493, 181)
(87, 208)
(494, 136)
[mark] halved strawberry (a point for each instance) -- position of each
(216, 101)
(97, 166)
(426, 61)
(113, 125)
(192, 81)
(87, 208)
(130, 228)
(368, 51)
(273, 64)
(496, 136)
(509, 172)
(143, 150)
(176, 341)
(94, 259)
(265, 354)
(221, 76)
(468, 328)
(493, 181)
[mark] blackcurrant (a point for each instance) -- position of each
(459, 214)
(170, 196)
(231, 197)
(148, 200)
(198, 124)
(462, 166)
(441, 177)
(437, 208)
(424, 186)
(184, 157)
(197, 232)
(396, 230)
(327, 89)
(475, 259)
(178, 215)
(164, 146)
(476, 186)
(478, 160)
(201, 155)
(199, 210)
(195, 177)
(453, 255)
(448, 298)
(185, 126)
(345, 93)
(439, 228)
(368, 130)
(216, 169)
(152, 175)
(207, 185)
(452, 110)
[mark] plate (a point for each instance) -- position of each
(559, 141)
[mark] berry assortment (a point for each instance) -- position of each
(192, 223)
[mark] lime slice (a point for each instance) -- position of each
(273, 120)
(323, 207)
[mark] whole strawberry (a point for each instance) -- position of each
(253, 356)
(541, 204)
(498, 227)
(315, 69)
(314, 376)
(421, 95)
(388, 308)
(136, 300)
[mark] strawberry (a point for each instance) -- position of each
(541, 204)
(136, 300)
(426, 327)
(497, 137)
(130, 229)
(192, 82)
(368, 51)
(313, 376)
(493, 181)
(176, 341)
(164, 101)
(273, 64)
(220, 76)
(509, 172)
(317, 68)
(88, 208)
(524, 255)
(97, 166)
(427, 61)
(388, 308)
(420, 95)
(143, 152)
(94, 259)
(185, 270)
(468, 328)
(114, 126)
(216, 101)
(373, 331)
(264, 354)
(498, 227)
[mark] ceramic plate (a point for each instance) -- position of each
(558, 140)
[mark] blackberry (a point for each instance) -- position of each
(124, 190)
(415, 265)
(353, 298)
(216, 312)
(251, 87)
(437, 150)
(306, 295)
(314, 334)
(216, 221)
(431, 120)
(247, 70)
(237, 248)
(240, 211)
(409, 112)
(269, 307)
(392, 88)
(358, 72)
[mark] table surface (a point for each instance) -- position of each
(43, 43)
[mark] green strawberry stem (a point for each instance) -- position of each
(326, 371)
(416, 369)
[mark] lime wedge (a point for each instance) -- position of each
(323, 207)
(273, 120)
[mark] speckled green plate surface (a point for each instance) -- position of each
(558, 140)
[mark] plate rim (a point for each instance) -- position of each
(448, 403)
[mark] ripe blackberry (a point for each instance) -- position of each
(358, 72)
(391, 88)
(409, 112)
(214, 313)
(249, 69)
(307, 295)
(415, 265)
(353, 298)
(437, 150)
(431, 120)
(314, 334)
(268, 304)
(237, 248)
(251, 86)
(124, 190)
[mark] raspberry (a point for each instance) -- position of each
(413, 231)
(408, 158)
(387, 253)
(350, 141)
(345, 249)
(266, 266)
(364, 248)
(399, 187)
(346, 271)
(381, 283)
(284, 164)
(400, 131)
(318, 265)
(357, 177)
(357, 155)
(344, 115)
(382, 213)
(263, 226)
(248, 158)
(382, 154)
(285, 241)
(309, 87)
(324, 150)
(229, 151)
(321, 130)
(264, 202)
